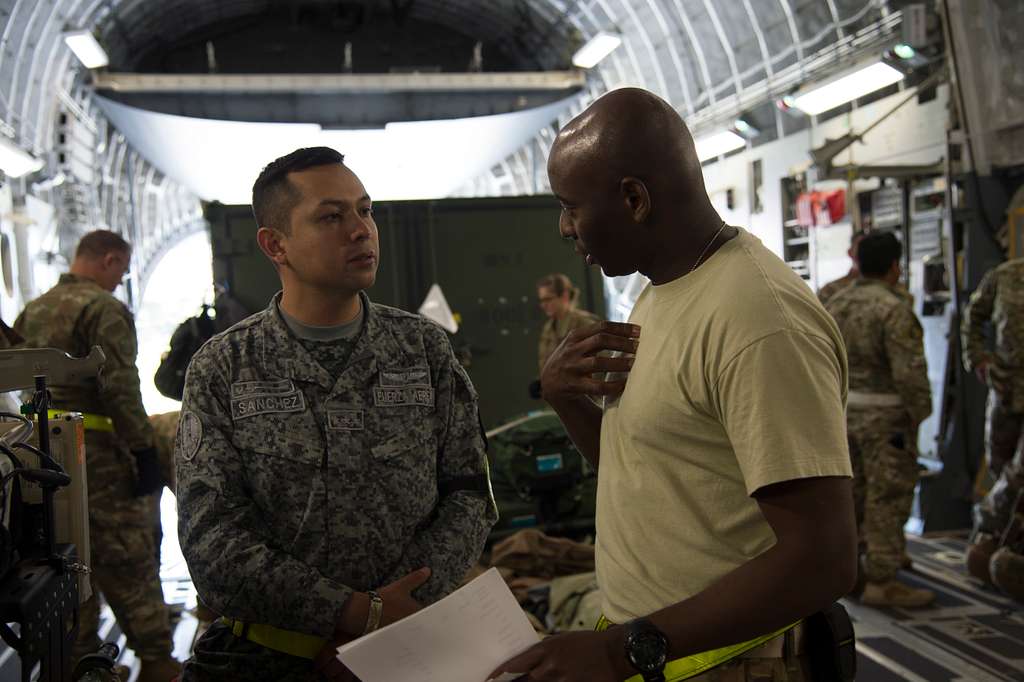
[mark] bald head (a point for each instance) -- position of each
(632, 133)
(630, 184)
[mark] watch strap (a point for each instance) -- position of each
(374, 613)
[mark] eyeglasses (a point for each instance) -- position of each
(547, 299)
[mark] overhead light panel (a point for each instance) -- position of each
(715, 145)
(904, 51)
(744, 128)
(816, 99)
(87, 49)
(15, 161)
(596, 49)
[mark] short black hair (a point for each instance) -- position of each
(99, 243)
(877, 252)
(274, 197)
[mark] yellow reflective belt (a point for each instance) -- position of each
(91, 422)
(695, 664)
(286, 641)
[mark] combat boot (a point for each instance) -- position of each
(895, 593)
(978, 556)
(159, 670)
(1007, 570)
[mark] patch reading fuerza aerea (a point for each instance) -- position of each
(406, 395)
(252, 398)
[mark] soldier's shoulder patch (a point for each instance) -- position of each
(190, 435)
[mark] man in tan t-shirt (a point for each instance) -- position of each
(725, 511)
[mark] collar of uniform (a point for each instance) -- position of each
(871, 281)
(68, 278)
(285, 357)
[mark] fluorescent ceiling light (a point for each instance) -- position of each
(904, 51)
(85, 47)
(710, 146)
(818, 98)
(596, 49)
(15, 161)
(745, 129)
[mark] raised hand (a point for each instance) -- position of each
(570, 371)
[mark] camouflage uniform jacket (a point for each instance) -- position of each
(296, 488)
(835, 286)
(884, 343)
(999, 299)
(74, 316)
(554, 331)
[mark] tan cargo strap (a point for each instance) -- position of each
(865, 399)
(695, 664)
(91, 422)
(286, 641)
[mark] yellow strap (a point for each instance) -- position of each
(91, 422)
(286, 641)
(695, 664)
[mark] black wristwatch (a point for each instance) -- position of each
(646, 649)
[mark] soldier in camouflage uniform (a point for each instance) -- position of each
(78, 313)
(889, 398)
(558, 298)
(999, 299)
(332, 473)
(835, 286)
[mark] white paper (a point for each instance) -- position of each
(461, 638)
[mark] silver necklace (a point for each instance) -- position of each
(702, 253)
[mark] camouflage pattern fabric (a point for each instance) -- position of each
(124, 553)
(885, 345)
(884, 476)
(296, 487)
(165, 428)
(992, 515)
(1004, 427)
(554, 331)
(220, 656)
(74, 316)
(758, 670)
(885, 348)
(331, 355)
(999, 299)
(826, 293)
(835, 286)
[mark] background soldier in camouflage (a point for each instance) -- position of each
(837, 285)
(165, 427)
(328, 447)
(999, 299)
(75, 315)
(558, 299)
(889, 398)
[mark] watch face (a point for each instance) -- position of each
(648, 651)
